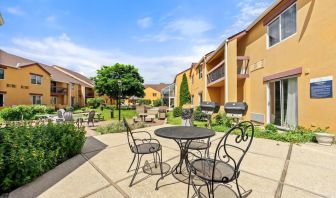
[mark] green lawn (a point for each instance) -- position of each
(178, 121)
(128, 114)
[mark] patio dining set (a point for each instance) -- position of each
(149, 114)
(63, 116)
(196, 166)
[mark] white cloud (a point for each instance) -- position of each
(15, 11)
(249, 10)
(145, 22)
(179, 29)
(64, 52)
(51, 19)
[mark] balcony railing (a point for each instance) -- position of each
(58, 90)
(89, 95)
(216, 74)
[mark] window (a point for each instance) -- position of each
(35, 79)
(2, 100)
(72, 86)
(192, 99)
(200, 72)
(2, 73)
(53, 100)
(283, 26)
(154, 94)
(36, 99)
(192, 79)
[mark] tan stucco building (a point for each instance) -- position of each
(282, 65)
(23, 81)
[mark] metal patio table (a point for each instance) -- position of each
(183, 136)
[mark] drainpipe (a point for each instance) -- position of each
(205, 80)
(226, 72)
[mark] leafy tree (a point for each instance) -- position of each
(106, 81)
(184, 91)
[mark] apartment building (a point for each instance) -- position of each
(23, 81)
(153, 91)
(282, 65)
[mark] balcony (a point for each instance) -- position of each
(89, 95)
(216, 74)
(58, 90)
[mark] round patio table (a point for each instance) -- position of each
(182, 135)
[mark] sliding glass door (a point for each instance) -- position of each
(283, 102)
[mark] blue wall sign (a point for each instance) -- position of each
(321, 87)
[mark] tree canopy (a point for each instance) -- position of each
(106, 81)
(184, 91)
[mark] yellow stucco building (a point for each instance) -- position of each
(23, 81)
(153, 91)
(282, 65)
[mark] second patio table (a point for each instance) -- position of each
(182, 135)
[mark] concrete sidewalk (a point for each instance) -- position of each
(270, 169)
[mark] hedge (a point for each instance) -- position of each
(95, 102)
(27, 152)
(25, 112)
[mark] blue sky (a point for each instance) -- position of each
(160, 37)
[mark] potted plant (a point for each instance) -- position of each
(323, 137)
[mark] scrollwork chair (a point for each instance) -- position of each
(141, 147)
(224, 167)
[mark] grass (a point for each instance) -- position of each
(178, 121)
(128, 114)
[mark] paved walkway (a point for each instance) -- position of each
(270, 169)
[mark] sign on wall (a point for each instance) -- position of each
(321, 87)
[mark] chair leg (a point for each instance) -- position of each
(240, 196)
(189, 183)
(160, 162)
(131, 163)
(136, 170)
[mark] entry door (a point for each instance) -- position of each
(72, 101)
(283, 102)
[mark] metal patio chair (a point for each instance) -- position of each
(224, 167)
(90, 118)
(141, 147)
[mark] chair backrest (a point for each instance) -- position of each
(68, 116)
(130, 137)
(232, 149)
(141, 109)
(60, 113)
(91, 115)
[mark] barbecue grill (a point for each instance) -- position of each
(235, 109)
(209, 108)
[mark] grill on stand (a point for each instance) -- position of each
(209, 108)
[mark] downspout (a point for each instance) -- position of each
(205, 80)
(226, 72)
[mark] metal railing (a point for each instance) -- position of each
(216, 74)
(58, 90)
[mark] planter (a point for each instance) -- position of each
(324, 138)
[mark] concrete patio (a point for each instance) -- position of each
(270, 169)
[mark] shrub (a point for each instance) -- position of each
(50, 110)
(177, 111)
(25, 112)
(95, 102)
(143, 101)
(222, 119)
(184, 91)
(271, 128)
(157, 102)
(199, 115)
(27, 152)
(111, 107)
